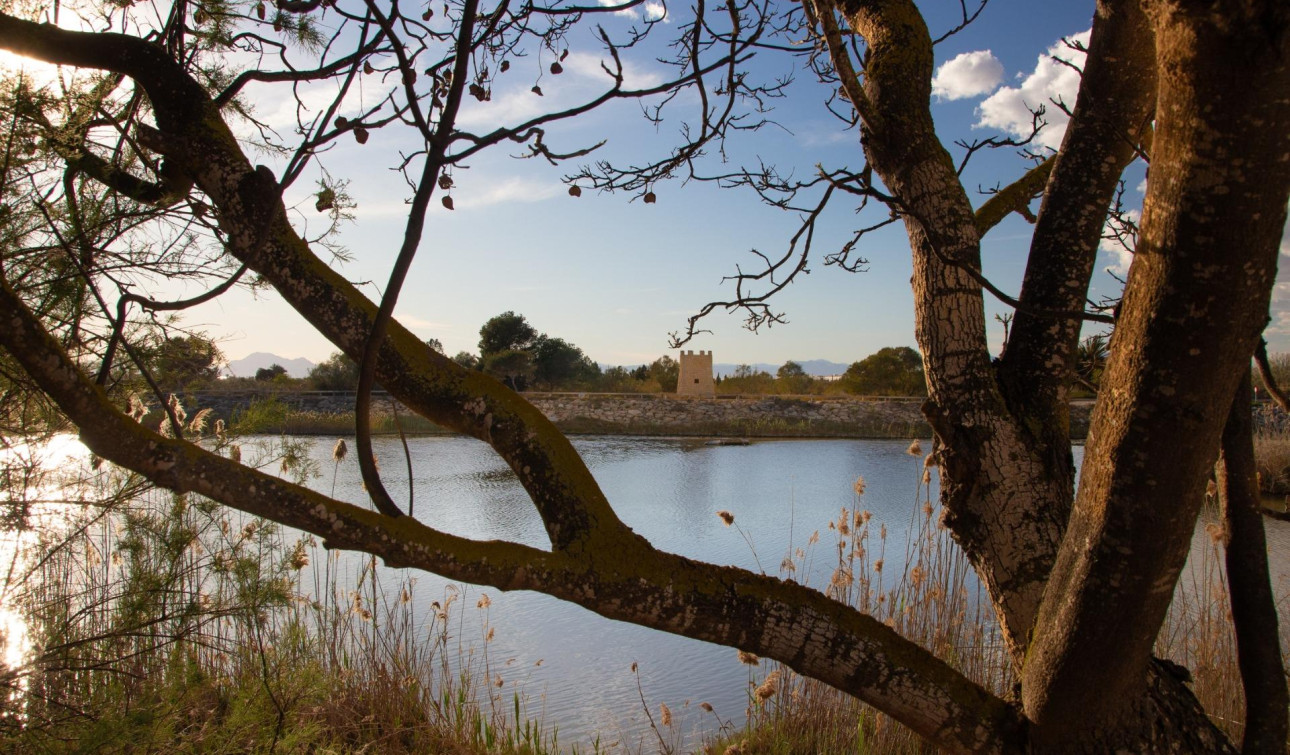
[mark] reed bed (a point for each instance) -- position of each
(161, 622)
(1272, 456)
(165, 622)
(933, 597)
(927, 592)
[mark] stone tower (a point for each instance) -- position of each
(695, 378)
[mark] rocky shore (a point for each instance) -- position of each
(626, 414)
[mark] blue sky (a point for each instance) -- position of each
(615, 276)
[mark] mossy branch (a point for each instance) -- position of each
(1014, 197)
(632, 581)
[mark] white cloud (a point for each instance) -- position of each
(583, 79)
(1009, 108)
(1120, 254)
(480, 191)
(420, 323)
(1279, 328)
(654, 10)
(629, 12)
(817, 136)
(509, 108)
(281, 108)
(1278, 331)
(971, 74)
(593, 67)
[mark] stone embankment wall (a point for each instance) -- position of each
(657, 414)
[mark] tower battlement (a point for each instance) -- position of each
(695, 378)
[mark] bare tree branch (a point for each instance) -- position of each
(777, 619)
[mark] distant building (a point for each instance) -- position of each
(695, 377)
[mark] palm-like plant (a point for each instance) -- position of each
(1090, 360)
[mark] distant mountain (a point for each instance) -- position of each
(817, 367)
(247, 365)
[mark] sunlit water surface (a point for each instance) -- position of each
(572, 668)
(669, 490)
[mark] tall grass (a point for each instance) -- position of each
(927, 592)
(166, 623)
(933, 597)
(1272, 455)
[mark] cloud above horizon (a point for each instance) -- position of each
(585, 78)
(1121, 255)
(654, 10)
(970, 74)
(1053, 80)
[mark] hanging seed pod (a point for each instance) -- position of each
(649, 197)
(429, 14)
(575, 191)
(564, 55)
(360, 135)
(477, 92)
(536, 90)
(341, 121)
(447, 203)
(556, 68)
(367, 67)
(505, 66)
(260, 10)
(445, 181)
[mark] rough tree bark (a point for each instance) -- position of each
(1080, 586)
(1258, 641)
(1196, 301)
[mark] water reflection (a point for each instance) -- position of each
(780, 492)
(574, 667)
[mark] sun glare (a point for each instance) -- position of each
(38, 72)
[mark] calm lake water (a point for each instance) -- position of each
(668, 490)
(573, 667)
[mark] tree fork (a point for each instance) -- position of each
(1193, 310)
(1116, 98)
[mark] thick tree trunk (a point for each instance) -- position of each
(1196, 301)
(1006, 480)
(1114, 106)
(1254, 613)
(1003, 502)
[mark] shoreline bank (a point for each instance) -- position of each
(645, 415)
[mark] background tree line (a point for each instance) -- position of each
(513, 351)
(132, 175)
